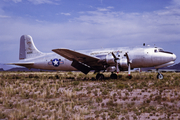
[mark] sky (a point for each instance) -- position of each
(88, 24)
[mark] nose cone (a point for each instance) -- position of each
(174, 57)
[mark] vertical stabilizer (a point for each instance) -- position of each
(27, 48)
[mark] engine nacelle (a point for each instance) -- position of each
(111, 69)
(123, 63)
(110, 60)
(102, 59)
(106, 59)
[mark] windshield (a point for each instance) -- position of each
(161, 50)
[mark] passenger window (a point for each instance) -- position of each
(155, 50)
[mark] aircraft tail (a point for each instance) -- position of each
(27, 48)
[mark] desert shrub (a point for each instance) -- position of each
(105, 92)
(137, 77)
(36, 77)
(56, 76)
(110, 86)
(75, 83)
(111, 103)
(99, 99)
(122, 86)
(176, 83)
(2, 115)
(151, 77)
(31, 75)
(78, 89)
(15, 77)
(69, 73)
(51, 77)
(113, 116)
(148, 100)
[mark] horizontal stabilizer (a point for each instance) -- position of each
(21, 64)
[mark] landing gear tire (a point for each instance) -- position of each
(113, 76)
(99, 77)
(129, 76)
(160, 76)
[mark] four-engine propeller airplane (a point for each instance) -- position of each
(109, 60)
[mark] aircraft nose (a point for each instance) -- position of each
(174, 57)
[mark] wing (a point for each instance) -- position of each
(90, 61)
(73, 55)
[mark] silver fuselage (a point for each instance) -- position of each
(139, 58)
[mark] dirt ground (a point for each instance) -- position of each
(75, 96)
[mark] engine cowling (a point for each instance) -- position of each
(111, 69)
(106, 59)
(123, 63)
(110, 61)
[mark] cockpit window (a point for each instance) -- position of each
(161, 50)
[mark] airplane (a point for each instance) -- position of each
(111, 60)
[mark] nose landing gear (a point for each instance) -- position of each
(159, 75)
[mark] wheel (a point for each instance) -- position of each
(129, 76)
(113, 76)
(99, 77)
(160, 76)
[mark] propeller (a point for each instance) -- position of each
(116, 60)
(128, 62)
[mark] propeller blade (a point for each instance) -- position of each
(128, 61)
(115, 60)
(117, 68)
(129, 65)
(129, 69)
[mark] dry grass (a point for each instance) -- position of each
(72, 95)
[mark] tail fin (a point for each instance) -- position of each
(27, 48)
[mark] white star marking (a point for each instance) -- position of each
(55, 62)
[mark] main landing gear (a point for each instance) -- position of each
(113, 76)
(100, 76)
(159, 75)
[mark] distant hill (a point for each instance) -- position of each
(174, 67)
(1, 69)
(28, 70)
(6, 67)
